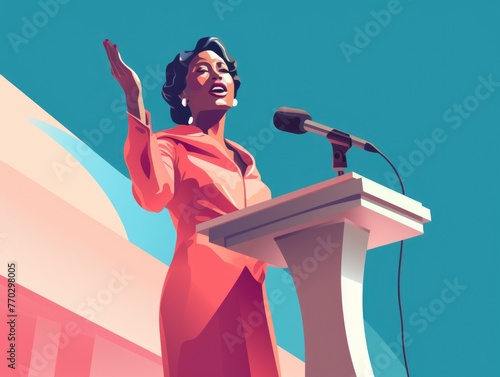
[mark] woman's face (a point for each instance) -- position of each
(209, 85)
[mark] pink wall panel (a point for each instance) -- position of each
(52, 341)
(45, 348)
(111, 359)
(75, 358)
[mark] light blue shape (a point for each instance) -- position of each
(385, 357)
(152, 232)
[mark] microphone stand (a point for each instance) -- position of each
(341, 142)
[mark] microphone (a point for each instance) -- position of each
(299, 121)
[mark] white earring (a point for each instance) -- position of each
(190, 120)
(235, 102)
(184, 102)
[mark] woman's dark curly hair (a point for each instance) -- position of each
(177, 70)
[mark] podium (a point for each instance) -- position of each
(321, 233)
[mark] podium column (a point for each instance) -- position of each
(327, 265)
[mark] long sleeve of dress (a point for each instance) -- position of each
(151, 164)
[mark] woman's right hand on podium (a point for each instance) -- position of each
(128, 80)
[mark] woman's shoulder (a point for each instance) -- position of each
(170, 139)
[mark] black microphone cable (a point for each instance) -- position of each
(372, 148)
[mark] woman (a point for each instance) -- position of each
(214, 316)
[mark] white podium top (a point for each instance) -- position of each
(386, 214)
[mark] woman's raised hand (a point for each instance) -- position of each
(127, 78)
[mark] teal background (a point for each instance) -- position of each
(394, 92)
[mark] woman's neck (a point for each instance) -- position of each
(212, 123)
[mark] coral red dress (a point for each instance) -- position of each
(214, 314)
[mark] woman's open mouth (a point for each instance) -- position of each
(218, 89)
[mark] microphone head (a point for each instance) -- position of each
(290, 120)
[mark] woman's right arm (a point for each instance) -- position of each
(150, 162)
